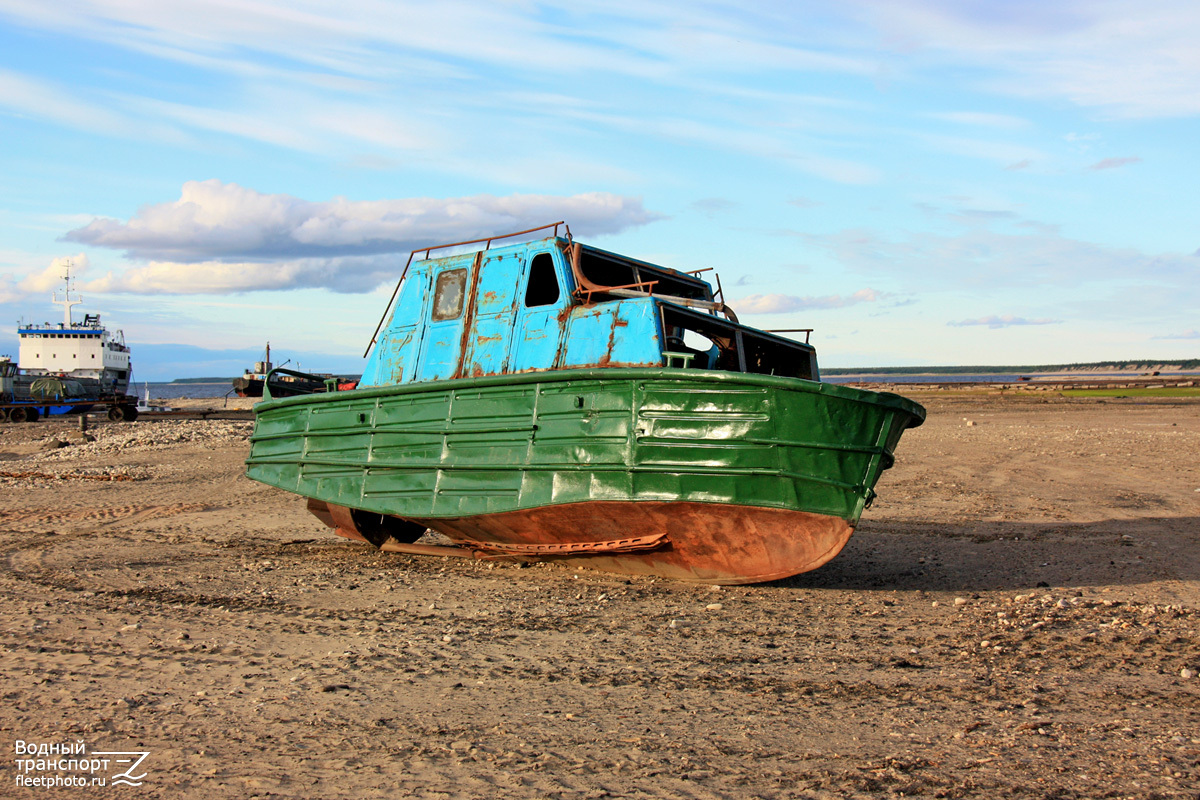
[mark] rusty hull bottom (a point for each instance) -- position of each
(705, 542)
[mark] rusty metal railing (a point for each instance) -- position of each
(585, 292)
(427, 250)
(806, 331)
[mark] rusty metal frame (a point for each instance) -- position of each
(629, 544)
(468, 317)
(585, 293)
(806, 331)
(585, 287)
(427, 250)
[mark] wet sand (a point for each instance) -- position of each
(1017, 616)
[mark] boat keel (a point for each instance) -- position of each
(699, 542)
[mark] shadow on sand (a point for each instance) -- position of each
(1010, 556)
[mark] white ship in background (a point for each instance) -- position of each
(83, 351)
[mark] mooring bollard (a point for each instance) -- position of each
(83, 422)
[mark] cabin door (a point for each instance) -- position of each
(489, 347)
(441, 346)
(538, 332)
(399, 350)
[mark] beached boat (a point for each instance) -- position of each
(551, 400)
(250, 383)
(284, 382)
(146, 405)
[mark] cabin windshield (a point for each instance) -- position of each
(703, 341)
(611, 270)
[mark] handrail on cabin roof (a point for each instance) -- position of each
(427, 250)
(491, 239)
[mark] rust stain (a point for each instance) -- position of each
(606, 359)
(628, 544)
(468, 318)
(731, 544)
(705, 542)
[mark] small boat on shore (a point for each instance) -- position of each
(550, 400)
(284, 382)
(250, 383)
(145, 404)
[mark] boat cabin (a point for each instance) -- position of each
(557, 304)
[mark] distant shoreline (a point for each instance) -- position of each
(1107, 367)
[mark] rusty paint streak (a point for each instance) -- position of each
(628, 544)
(713, 543)
(708, 542)
(606, 359)
(468, 318)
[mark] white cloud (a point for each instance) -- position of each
(1134, 59)
(216, 221)
(644, 40)
(15, 288)
(221, 237)
(1113, 163)
(42, 99)
(1004, 321)
(348, 274)
(1192, 334)
(784, 303)
(369, 83)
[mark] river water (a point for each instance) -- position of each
(166, 391)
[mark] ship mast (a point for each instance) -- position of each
(66, 302)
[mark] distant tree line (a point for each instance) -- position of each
(1144, 365)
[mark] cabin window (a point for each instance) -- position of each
(448, 294)
(717, 344)
(543, 282)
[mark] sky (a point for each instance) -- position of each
(925, 182)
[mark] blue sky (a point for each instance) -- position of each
(922, 182)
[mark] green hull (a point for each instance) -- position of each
(481, 447)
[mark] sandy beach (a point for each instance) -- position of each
(1018, 615)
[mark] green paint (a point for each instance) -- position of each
(510, 442)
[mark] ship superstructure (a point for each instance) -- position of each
(79, 350)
